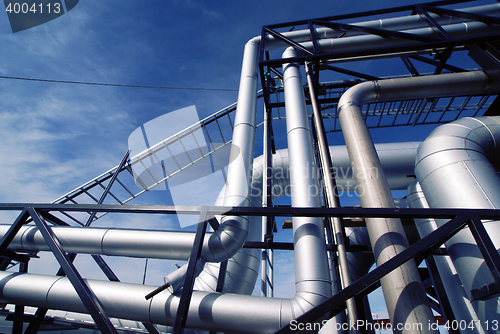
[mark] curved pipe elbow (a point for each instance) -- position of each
(467, 139)
(227, 240)
(359, 94)
(233, 231)
(461, 157)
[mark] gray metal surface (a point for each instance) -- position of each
(332, 200)
(456, 166)
(462, 307)
(387, 236)
(312, 278)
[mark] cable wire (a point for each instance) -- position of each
(115, 85)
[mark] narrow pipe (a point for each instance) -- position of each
(265, 253)
(332, 198)
(457, 167)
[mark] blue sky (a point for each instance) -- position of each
(57, 136)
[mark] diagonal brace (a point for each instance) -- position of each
(83, 290)
(108, 187)
(187, 289)
(486, 247)
(359, 288)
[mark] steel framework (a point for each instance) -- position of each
(411, 46)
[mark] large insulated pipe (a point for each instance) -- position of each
(404, 293)
(371, 179)
(460, 303)
(311, 269)
(457, 167)
(231, 236)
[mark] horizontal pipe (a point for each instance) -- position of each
(211, 311)
(397, 160)
(408, 22)
(109, 241)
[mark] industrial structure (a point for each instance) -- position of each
(448, 220)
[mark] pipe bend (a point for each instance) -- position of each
(359, 94)
(233, 232)
(467, 139)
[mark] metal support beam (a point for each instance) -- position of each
(17, 327)
(5, 255)
(359, 288)
(187, 289)
(105, 268)
(222, 276)
(436, 63)
(84, 292)
(35, 325)
(444, 56)
(488, 250)
(438, 285)
(332, 196)
(353, 73)
(431, 22)
(409, 65)
(14, 228)
(288, 41)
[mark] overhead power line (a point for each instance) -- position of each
(115, 85)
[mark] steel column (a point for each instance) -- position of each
(187, 289)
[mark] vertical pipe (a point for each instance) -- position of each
(403, 290)
(332, 198)
(233, 232)
(311, 267)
